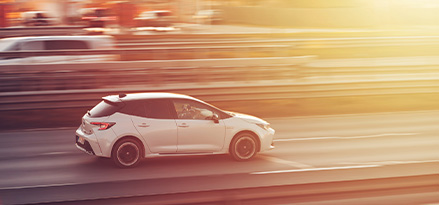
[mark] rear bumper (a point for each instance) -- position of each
(90, 146)
(86, 147)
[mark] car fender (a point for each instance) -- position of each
(124, 128)
(235, 126)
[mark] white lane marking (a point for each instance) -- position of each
(383, 135)
(316, 169)
(390, 162)
(53, 153)
(304, 139)
(286, 162)
(430, 113)
(351, 137)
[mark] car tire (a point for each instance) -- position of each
(126, 153)
(243, 147)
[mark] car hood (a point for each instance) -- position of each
(248, 118)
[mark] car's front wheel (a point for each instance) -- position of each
(126, 153)
(243, 147)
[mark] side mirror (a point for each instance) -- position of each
(215, 118)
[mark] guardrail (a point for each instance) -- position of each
(41, 31)
(324, 47)
(200, 71)
(164, 53)
(389, 46)
(82, 85)
(155, 73)
(286, 87)
(63, 99)
(298, 42)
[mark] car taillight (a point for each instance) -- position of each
(103, 125)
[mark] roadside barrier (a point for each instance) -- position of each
(165, 53)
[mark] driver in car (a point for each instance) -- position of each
(189, 112)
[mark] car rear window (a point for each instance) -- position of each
(105, 108)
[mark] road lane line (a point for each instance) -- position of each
(316, 169)
(351, 137)
(304, 139)
(430, 112)
(389, 162)
(53, 153)
(286, 162)
(383, 135)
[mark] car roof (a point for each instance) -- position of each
(143, 96)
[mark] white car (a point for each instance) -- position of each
(129, 127)
(53, 43)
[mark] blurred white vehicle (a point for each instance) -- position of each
(130, 127)
(51, 43)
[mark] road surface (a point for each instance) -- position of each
(314, 149)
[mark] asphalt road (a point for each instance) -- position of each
(313, 149)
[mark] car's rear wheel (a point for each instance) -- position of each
(243, 147)
(126, 153)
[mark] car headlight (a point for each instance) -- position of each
(264, 126)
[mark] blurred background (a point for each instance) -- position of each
(350, 86)
(297, 13)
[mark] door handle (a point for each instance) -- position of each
(143, 125)
(183, 125)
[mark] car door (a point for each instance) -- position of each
(155, 121)
(197, 131)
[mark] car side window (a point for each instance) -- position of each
(188, 109)
(153, 108)
(135, 108)
(65, 45)
(158, 109)
(32, 45)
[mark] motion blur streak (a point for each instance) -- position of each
(350, 86)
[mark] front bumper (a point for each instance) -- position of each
(267, 142)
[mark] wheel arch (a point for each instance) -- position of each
(142, 146)
(255, 136)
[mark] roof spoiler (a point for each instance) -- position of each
(112, 99)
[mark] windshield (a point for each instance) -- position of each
(6, 44)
